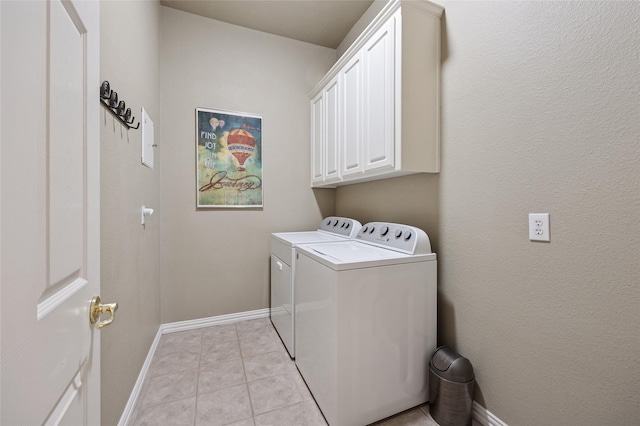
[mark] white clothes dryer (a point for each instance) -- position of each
(283, 265)
(366, 322)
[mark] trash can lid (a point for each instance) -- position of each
(452, 366)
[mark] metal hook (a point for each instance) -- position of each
(105, 90)
(109, 99)
(121, 108)
(113, 99)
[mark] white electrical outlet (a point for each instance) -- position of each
(539, 227)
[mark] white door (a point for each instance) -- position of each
(50, 207)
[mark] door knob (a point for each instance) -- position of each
(97, 309)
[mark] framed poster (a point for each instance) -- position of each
(228, 159)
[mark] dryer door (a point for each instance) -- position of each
(282, 301)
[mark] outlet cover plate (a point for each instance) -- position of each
(539, 227)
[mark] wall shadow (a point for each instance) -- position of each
(326, 200)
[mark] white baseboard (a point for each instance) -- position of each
(485, 417)
(137, 388)
(175, 327)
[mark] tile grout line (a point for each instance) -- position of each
(246, 380)
(289, 374)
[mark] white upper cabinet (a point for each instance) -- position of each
(376, 113)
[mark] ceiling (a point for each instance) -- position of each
(321, 22)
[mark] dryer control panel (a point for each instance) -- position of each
(395, 236)
(344, 226)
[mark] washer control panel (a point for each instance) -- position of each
(395, 236)
(344, 226)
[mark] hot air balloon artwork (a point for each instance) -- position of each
(241, 143)
(229, 159)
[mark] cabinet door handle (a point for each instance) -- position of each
(279, 265)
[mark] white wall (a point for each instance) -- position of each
(540, 113)
(130, 253)
(216, 261)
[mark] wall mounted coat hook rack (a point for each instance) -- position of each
(109, 100)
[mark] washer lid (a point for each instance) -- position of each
(350, 254)
(356, 252)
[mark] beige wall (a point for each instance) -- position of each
(130, 253)
(217, 261)
(360, 25)
(540, 113)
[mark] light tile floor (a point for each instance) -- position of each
(233, 374)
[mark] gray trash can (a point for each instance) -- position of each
(451, 382)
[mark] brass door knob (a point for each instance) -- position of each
(97, 309)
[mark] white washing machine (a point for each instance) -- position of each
(283, 262)
(366, 322)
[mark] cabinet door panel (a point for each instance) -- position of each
(332, 126)
(317, 135)
(352, 97)
(379, 119)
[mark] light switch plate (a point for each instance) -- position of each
(539, 227)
